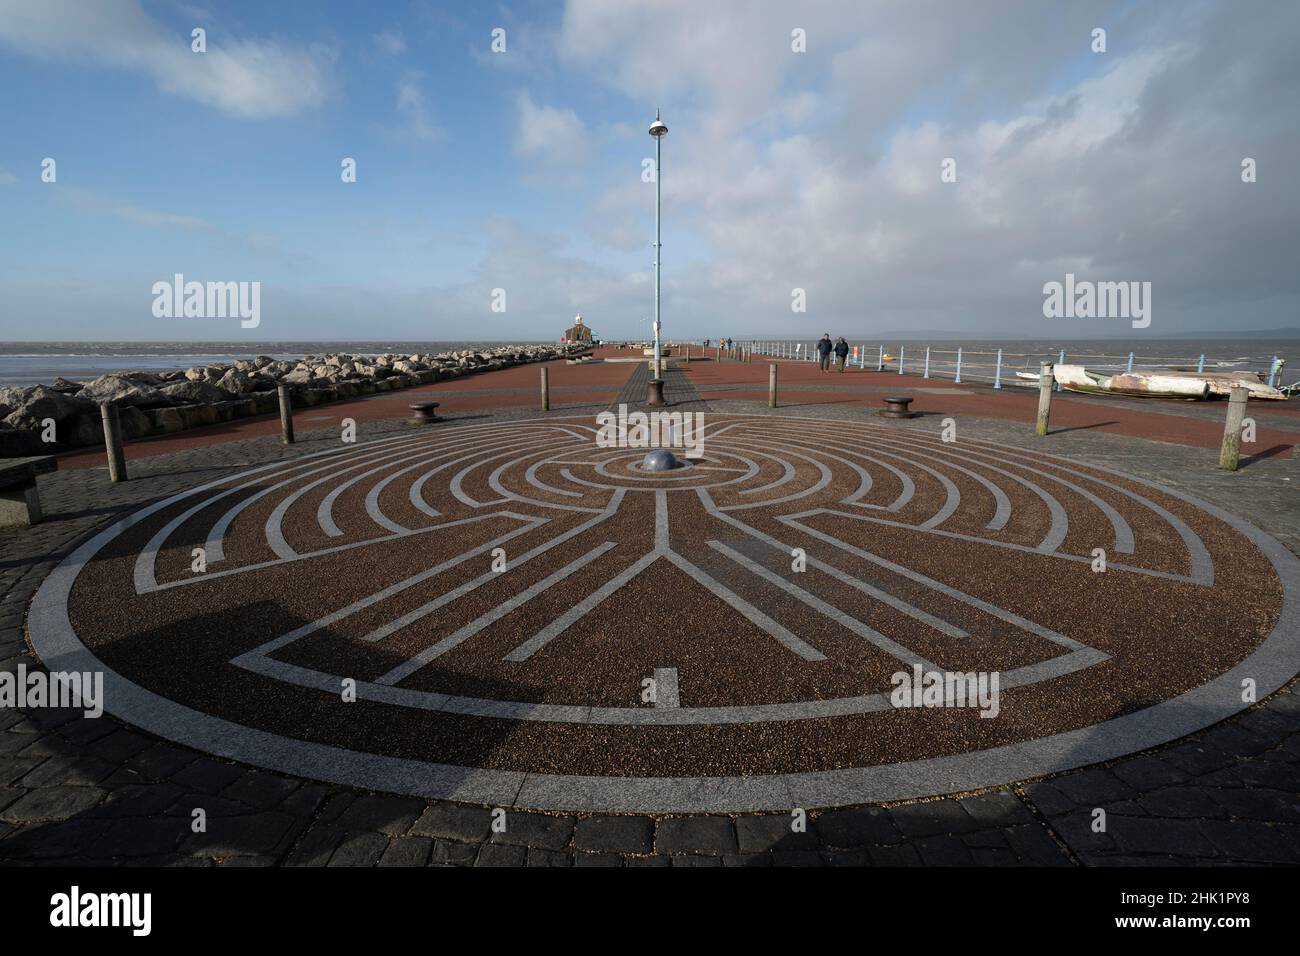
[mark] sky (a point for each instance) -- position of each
(788, 174)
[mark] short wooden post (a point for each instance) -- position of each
(771, 385)
(1044, 398)
(113, 442)
(546, 390)
(286, 415)
(1230, 453)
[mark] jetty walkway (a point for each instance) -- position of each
(494, 641)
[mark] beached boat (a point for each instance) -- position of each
(1077, 378)
(1222, 383)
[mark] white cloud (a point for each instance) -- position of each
(249, 78)
(554, 136)
(414, 108)
(390, 42)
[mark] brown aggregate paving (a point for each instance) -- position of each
(1163, 636)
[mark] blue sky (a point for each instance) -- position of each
(522, 170)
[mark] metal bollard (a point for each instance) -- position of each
(286, 414)
(1044, 398)
(997, 375)
(957, 380)
(926, 373)
(546, 390)
(902, 351)
(771, 385)
(113, 442)
(1230, 453)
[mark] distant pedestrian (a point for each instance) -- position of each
(841, 352)
(728, 343)
(824, 349)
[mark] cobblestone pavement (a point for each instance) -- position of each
(94, 791)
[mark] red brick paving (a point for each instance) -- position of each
(1008, 404)
(597, 383)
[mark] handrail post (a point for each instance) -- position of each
(997, 375)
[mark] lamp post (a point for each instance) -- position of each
(656, 397)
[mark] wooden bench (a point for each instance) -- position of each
(425, 412)
(20, 505)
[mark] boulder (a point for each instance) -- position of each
(236, 382)
(194, 393)
(299, 376)
(123, 391)
(136, 423)
(29, 407)
(61, 384)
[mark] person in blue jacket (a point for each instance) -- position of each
(824, 349)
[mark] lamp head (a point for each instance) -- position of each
(657, 128)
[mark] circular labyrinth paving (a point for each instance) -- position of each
(529, 619)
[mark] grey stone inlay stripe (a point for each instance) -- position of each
(406, 669)
(890, 647)
(442, 600)
(666, 692)
(566, 620)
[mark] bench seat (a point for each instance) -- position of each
(20, 505)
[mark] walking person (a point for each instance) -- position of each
(824, 349)
(841, 352)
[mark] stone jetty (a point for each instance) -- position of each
(155, 403)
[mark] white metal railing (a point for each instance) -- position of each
(1000, 366)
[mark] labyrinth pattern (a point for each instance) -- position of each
(508, 613)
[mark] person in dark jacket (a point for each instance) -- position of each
(824, 349)
(841, 352)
